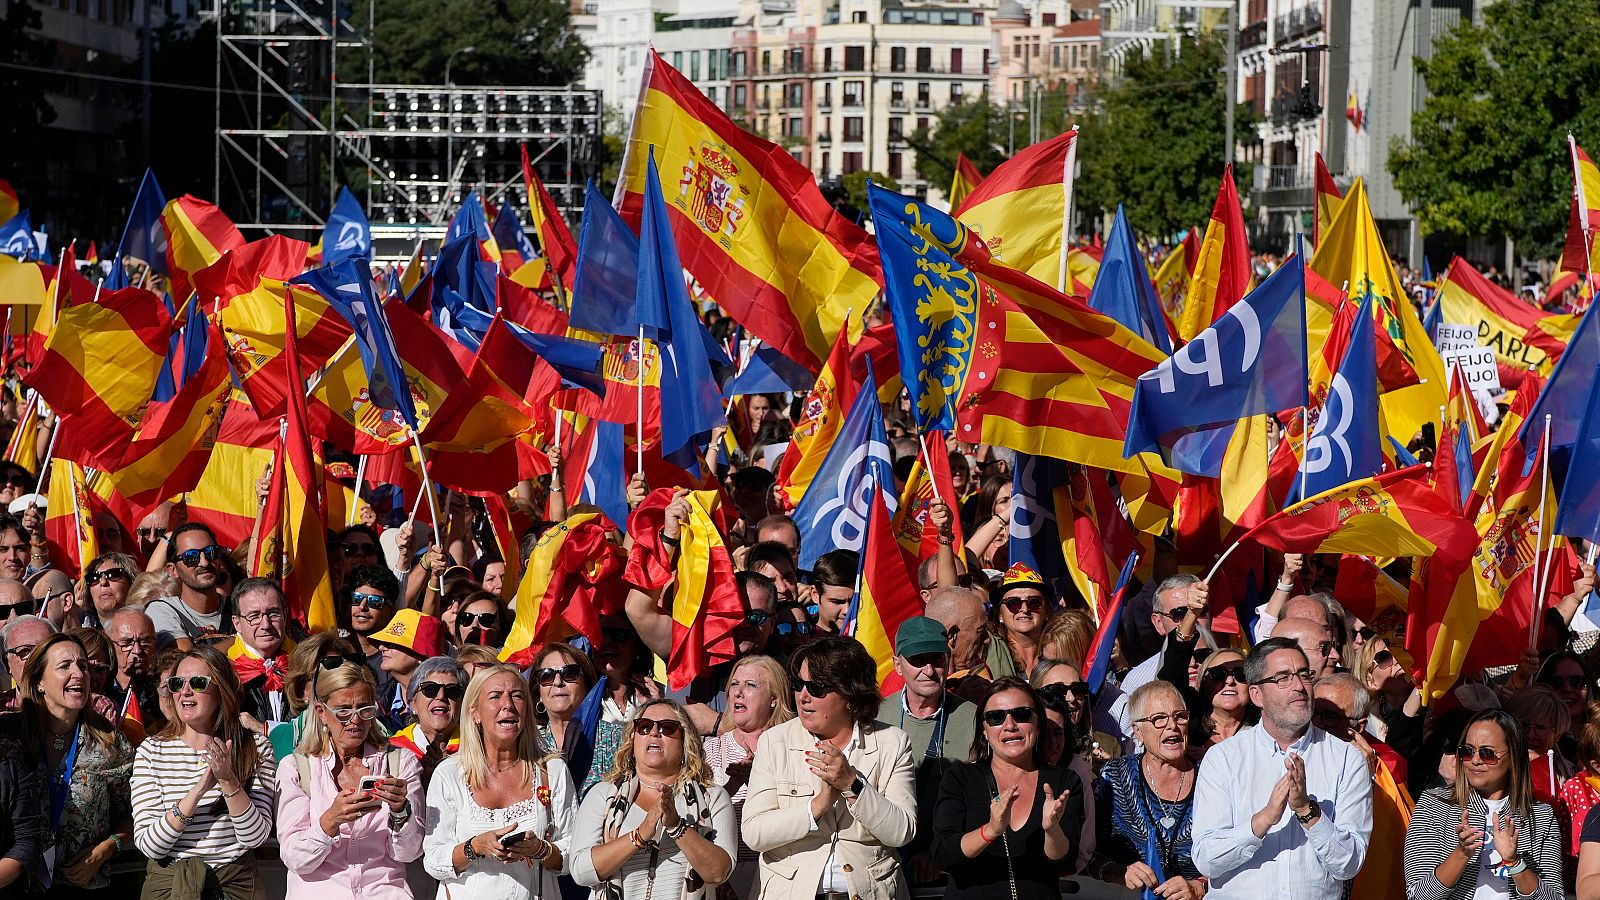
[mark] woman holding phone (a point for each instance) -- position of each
(349, 806)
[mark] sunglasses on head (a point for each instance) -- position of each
(432, 690)
(997, 717)
(1484, 754)
(150, 534)
(106, 576)
(570, 673)
(373, 601)
(191, 557)
(196, 683)
(1366, 633)
(815, 688)
(667, 728)
(329, 663)
(486, 619)
(1220, 674)
(1018, 604)
(1200, 653)
(788, 628)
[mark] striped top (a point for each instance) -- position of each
(163, 772)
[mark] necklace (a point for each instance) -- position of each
(58, 742)
(1169, 811)
(500, 769)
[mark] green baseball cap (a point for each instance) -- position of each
(920, 634)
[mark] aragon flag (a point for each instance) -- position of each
(751, 224)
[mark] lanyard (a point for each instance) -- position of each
(61, 785)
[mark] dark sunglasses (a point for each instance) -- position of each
(997, 717)
(106, 576)
(486, 619)
(191, 558)
(815, 688)
(432, 689)
(20, 608)
(18, 481)
(1484, 754)
(787, 628)
(570, 673)
(756, 618)
(1200, 653)
(373, 601)
(667, 728)
(1366, 633)
(1326, 647)
(1220, 674)
(196, 683)
(1176, 615)
(329, 663)
(1383, 658)
(1569, 681)
(616, 635)
(1081, 688)
(1017, 604)
(360, 549)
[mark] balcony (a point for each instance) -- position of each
(897, 104)
(825, 138)
(1253, 35)
(1298, 23)
(1295, 106)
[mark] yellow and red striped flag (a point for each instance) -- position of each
(574, 575)
(1326, 199)
(69, 518)
(751, 224)
(224, 499)
(1501, 320)
(1172, 278)
(963, 181)
(888, 594)
(303, 525)
(1583, 225)
(198, 234)
(1222, 272)
(1023, 209)
(555, 238)
(819, 422)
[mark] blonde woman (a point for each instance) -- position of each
(758, 698)
(340, 833)
(658, 827)
(500, 812)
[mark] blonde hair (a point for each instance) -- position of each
(692, 766)
(1067, 636)
(316, 741)
(777, 681)
(476, 655)
(148, 586)
(474, 759)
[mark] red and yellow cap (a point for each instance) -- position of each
(411, 630)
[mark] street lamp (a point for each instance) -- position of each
(452, 58)
(450, 120)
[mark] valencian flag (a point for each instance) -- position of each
(964, 180)
(705, 596)
(555, 238)
(1250, 362)
(1584, 223)
(347, 234)
(143, 238)
(821, 417)
(1327, 198)
(751, 224)
(832, 515)
(198, 234)
(573, 577)
(1501, 320)
(69, 518)
(1123, 290)
(888, 594)
(1345, 444)
(1222, 272)
(1023, 209)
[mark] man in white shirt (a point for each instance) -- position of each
(1282, 810)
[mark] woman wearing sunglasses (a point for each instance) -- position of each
(500, 811)
(433, 732)
(1226, 696)
(202, 788)
(1396, 717)
(1069, 742)
(481, 619)
(658, 826)
(832, 792)
(104, 589)
(625, 662)
(1007, 823)
(1485, 836)
(563, 676)
(1566, 674)
(323, 650)
(349, 806)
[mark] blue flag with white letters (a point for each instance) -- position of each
(1345, 443)
(1250, 361)
(347, 287)
(16, 238)
(833, 513)
(348, 234)
(143, 237)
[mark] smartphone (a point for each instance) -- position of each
(523, 830)
(370, 782)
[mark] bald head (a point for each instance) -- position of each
(12, 592)
(50, 589)
(20, 636)
(1322, 654)
(960, 611)
(1304, 606)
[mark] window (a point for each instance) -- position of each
(852, 92)
(986, 60)
(924, 59)
(955, 60)
(827, 59)
(897, 59)
(766, 62)
(738, 69)
(895, 167)
(896, 127)
(852, 162)
(795, 95)
(859, 17)
(766, 96)
(741, 96)
(923, 91)
(797, 60)
(694, 65)
(855, 59)
(794, 127)
(897, 93)
(827, 95)
(956, 92)
(853, 128)
(677, 60)
(922, 123)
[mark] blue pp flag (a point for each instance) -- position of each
(1345, 444)
(1250, 361)
(1105, 637)
(469, 221)
(16, 238)
(144, 237)
(463, 290)
(1565, 395)
(769, 372)
(691, 401)
(1035, 533)
(604, 478)
(348, 289)
(608, 270)
(348, 234)
(508, 233)
(576, 361)
(1578, 511)
(1402, 456)
(833, 513)
(933, 330)
(1123, 289)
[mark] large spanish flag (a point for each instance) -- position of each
(574, 575)
(1222, 273)
(1023, 209)
(225, 497)
(253, 324)
(307, 584)
(69, 518)
(1583, 226)
(1393, 514)
(888, 594)
(751, 224)
(1502, 321)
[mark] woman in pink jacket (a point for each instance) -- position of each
(350, 807)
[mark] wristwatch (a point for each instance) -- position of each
(855, 788)
(471, 854)
(1309, 816)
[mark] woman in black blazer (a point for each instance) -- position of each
(1004, 825)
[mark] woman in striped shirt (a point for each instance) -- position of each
(203, 788)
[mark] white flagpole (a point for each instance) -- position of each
(638, 437)
(361, 480)
(1538, 539)
(1067, 171)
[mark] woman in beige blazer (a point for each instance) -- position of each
(832, 792)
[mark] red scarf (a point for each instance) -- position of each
(249, 667)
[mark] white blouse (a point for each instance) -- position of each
(635, 872)
(454, 818)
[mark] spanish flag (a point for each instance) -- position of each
(705, 596)
(198, 234)
(964, 181)
(555, 238)
(224, 499)
(9, 205)
(69, 518)
(1327, 199)
(888, 594)
(1023, 209)
(1453, 473)
(751, 224)
(1173, 276)
(1583, 225)
(1501, 320)
(22, 447)
(929, 478)
(820, 419)
(240, 271)
(303, 524)
(1222, 273)
(573, 578)
(1393, 514)
(253, 323)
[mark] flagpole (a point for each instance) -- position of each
(1305, 448)
(923, 440)
(49, 456)
(1225, 554)
(361, 480)
(1538, 538)
(1583, 213)
(638, 437)
(321, 373)
(433, 503)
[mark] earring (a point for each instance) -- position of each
(772, 705)
(538, 707)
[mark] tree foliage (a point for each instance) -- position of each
(1156, 144)
(855, 188)
(522, 42)
(975, 127)
(1488, 151)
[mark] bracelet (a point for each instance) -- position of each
(237, 791)
(633, 837)
(677, 831)
(1286, 588)
(402, 814)
(117, 840)
(545, 853)
(984, 835)
(177, 814)
(555, 487)
(468, 851)
(671, 541)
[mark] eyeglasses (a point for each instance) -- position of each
(1338, 719)
(997, 717)
(329, 663)
(432, 689)
(1366, 633)
(273, 616)
(1200, 654)
(1220, 674)
(1176, 615)
(815, 688)
(1282, 679)
(1484, 754)
(191, 558)
(106, 576)
(486, 619)
(1160, 721)
(146, 644)
(667, 728)
(20, 608)
(21, 653)
(1382, 658)
(569, 673)
(1568, 681)
(197, 683)
(360, 548)
(373, 601)
(17, 480)
(756, 618)
(345, 713)
(788, 628)
(1018, 604)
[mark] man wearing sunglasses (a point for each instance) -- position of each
(260, 652)
(18, 637)
(195, 614)
(1284, 803)
(1175, 598)
(1321, 650)
(408, 639)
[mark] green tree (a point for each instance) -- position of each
(855, 188)
(1488, 152)
(975, 127)
(1156, 144)
(522, 42)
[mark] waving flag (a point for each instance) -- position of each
(1023, 209)
(607, 270)
(1123, 289)
(833, 513)
(964, 181)
(1035, 529)
(1578, 513)
(1252, 361)
(595, 469)
(1345, 445)
(303, 526)
(888, 594)
(516, 250)
(143, 238)
(69, 518)
(573, 578)
(1395, 514)
(1222, 272)
(930, 477)
(1105, 636)
(198, 234)
(820, 420)
(554, 236)
(347, 288)
(225, 497)
(1501, 319)
(1584, 223)
(1173, 278)
(1564, 395)
(1326, 199)
(471, 221)
(17, 240)
(1452, 460)
(347, 235)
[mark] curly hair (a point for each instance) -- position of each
(844, 665)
